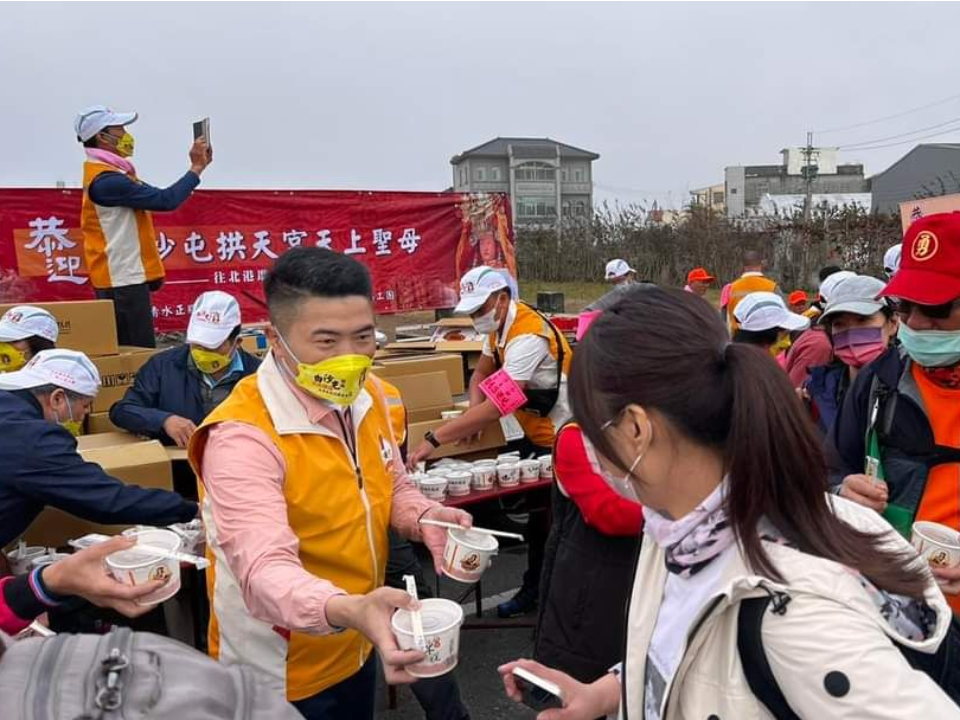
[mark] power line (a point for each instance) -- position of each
(889, 117)
(911, 140)
(900, 135)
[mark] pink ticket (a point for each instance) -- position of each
(503, 391)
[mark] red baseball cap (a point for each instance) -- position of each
(929, 271)
(797, 296)
(699, 275)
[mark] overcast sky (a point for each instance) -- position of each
(380, 96)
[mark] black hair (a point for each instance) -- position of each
(37, 343)
(302, 273)
(91, 143)
(827, 271)
(235, 333)
(765, 338)
(668, 351)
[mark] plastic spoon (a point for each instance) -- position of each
(416, 619)
(454, 526)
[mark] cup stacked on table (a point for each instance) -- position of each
(457, 478)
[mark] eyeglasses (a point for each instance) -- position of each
(904, 308)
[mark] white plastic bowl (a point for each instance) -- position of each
(133, 567)
(468, 554)
(441, 630)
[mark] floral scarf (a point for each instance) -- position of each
(693, 541)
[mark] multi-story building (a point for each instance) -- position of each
(545, 179)
(746, 185)
(712, 196)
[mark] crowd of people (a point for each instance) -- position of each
(735, 484)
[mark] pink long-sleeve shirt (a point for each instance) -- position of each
(243, 475)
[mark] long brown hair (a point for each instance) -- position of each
(669, 352)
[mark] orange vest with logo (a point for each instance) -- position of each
(119, 243)
(339, 511)
(539, 430)
(742, 287)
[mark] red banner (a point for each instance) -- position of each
(416, 245)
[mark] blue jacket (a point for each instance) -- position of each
(166, 385)
(827, 386)
(41, 466)
(907, 445)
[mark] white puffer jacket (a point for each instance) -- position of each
(830, 626)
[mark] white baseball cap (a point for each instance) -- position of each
(891, 259)
(67, 369)
(215, 315)
(855, 295)
(476, 286)
(24, 321)
(617, 269)
(765, 310)
(96, 118)
(831, 281)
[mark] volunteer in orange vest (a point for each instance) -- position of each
(119, 241)
(752, 280)
(534, 357)
(300, 478)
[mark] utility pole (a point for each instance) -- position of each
(809, 172)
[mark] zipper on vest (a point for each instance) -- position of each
(350, 440)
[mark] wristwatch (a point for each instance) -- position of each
(432, 439)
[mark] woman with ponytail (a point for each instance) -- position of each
(711, 439)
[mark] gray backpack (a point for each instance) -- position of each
(128, 676)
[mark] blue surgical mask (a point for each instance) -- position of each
(931, 348)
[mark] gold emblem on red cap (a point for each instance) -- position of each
(925, 246)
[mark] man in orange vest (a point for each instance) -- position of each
(119, 241)
(752, 280)
(528, 352)
(300, 478)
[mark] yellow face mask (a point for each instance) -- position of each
(209, 362)
(338, 379)
(74, 427)
(11, 358)
(781, 345)
(124, 145)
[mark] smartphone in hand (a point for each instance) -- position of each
(201, 129)
(538, 694)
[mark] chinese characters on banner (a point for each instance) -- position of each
(916, 209)
(416, 245)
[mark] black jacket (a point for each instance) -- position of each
(167, 386)
(908, 448)
(586, 583)
(41, 466)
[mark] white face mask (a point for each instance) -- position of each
(487, 323)
(622, 486)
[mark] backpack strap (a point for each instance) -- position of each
(753, 657)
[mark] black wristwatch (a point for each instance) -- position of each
(432, 439)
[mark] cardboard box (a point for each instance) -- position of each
(425, 397)
(85, 325)
(117, 373)
(98, 423)
(390, 368)
(126, 457)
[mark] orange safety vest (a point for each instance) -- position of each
(119, 243)
(339, 512)
(742, 287)
(539, 430)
